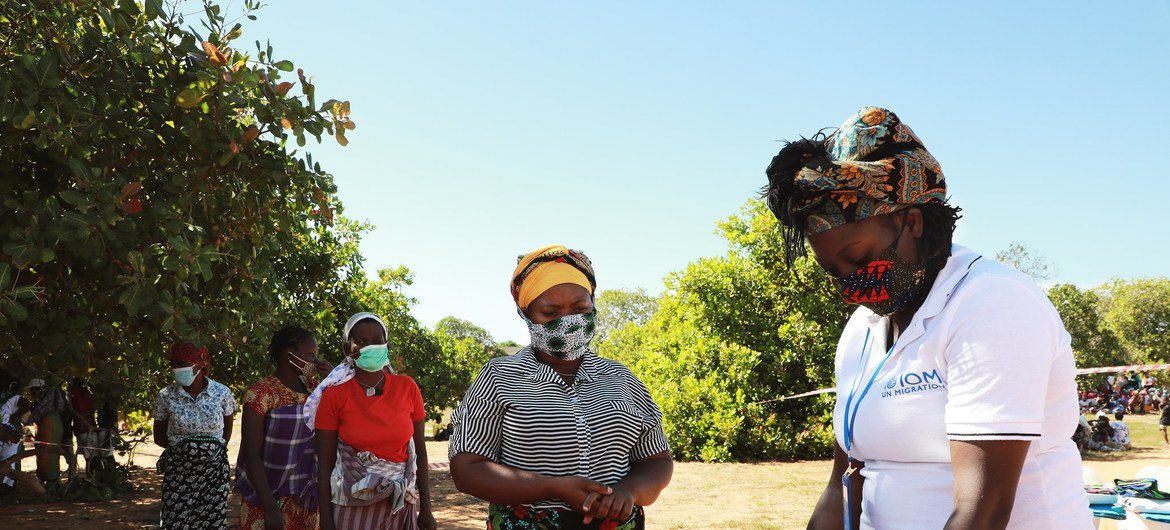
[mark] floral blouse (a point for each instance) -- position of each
(199, 416)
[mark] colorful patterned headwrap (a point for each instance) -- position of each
(186, 353)
(544, 268)
(872, 165)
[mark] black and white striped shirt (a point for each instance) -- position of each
(521, 414)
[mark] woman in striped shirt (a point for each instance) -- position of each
(554, 436)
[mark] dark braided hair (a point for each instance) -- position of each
(938, 230)
(288, 336)
(782, 193)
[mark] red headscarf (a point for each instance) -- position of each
(188, 353)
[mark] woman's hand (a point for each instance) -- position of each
(426, 520)
(579, 492)
(273, 519)
(618, 506)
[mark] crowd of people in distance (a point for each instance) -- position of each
(1124, 393)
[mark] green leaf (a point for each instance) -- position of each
(136, 296)
(5, 275)
(188, 98)
(204, 269)
(21, 252)
(29, 120)
(13, 308)
(135, 259)
(78, 170)
(74, 197)
(284, 66)
(153, 9)
(47, 255)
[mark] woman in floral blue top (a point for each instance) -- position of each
(193, 422)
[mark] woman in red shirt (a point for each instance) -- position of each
(371, 450)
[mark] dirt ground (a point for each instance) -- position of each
(739, 496)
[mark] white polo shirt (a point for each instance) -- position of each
(986, 357)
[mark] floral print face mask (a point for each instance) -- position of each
(565, 338)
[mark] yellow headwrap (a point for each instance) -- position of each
(559, 265)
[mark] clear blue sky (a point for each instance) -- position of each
(627, 129)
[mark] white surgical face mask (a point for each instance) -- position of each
(185, 376)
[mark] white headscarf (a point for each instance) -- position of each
(343, 371)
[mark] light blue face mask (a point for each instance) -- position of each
(184, 376)
(373, 357)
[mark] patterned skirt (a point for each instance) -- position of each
(524, 518)
(195, 484)
(296, 516)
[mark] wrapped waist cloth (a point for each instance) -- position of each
(290, 461)
(362, 479)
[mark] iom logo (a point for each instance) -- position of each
(914, 382)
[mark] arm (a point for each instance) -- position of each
(478, 476)
(23, 453)
(986, 474)
(252, 445)
(423, 476)
(160, 433)
(829, 513)
(326, 442)
(229, 413)
(77, 416)
(647, 478)
(227, 427)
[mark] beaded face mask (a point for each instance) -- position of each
(885, 285)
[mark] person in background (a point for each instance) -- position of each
(370, 437)
(993, 424)
(49, 404)
(9, 402)
(1120, 432)
(1164, 419)
(553, 436)
(193, 423)
(1102, 435)
(443, 434)
(78, 420)
(276, 473)
(12, 434)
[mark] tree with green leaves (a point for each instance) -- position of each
(733, 334)
(460, 329)
(1139, 311)
(153, 194)
(617, 308)
(1094, 343)
(1027, 261)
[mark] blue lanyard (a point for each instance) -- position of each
(850, 404)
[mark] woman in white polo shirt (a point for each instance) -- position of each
(956, 398)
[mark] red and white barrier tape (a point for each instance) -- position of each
(1129, 368)
(1081, 371)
